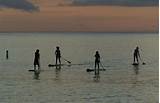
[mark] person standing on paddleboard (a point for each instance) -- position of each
(136, 55)
(97, 61)
(6, 54)
(58, 55)
(37, 59)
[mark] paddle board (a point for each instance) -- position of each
(54, 65)
(91, 70)
(135, 64)
(31, 70)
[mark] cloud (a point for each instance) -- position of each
(117, 2)
(18, 4)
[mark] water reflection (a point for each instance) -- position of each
(96, 78)
(136, 69)
(36, 74)
(57, 72)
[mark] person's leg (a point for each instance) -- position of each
(98, 69)
(59, 65)
(60, 60)
(56, 60)
(134, 58)
(38, 65)
(137, 59)
(98, 65)
(95, 70)
(34, 67)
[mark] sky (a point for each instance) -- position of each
(79, 16)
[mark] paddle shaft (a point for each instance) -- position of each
(101, 65)
(141, 58)
(66, 60)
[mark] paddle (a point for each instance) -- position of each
(143, 63)
(102, 66)
(66, 60)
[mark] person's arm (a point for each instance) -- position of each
(99, 58)
(56, 52)
(39, 61)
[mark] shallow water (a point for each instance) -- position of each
(120, 83)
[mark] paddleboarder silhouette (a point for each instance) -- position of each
(97, 61)
(58, 55)
(36, 60)
(136, 55)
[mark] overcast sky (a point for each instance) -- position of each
(117, 2)
(79, 15)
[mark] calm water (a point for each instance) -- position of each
(120, 83)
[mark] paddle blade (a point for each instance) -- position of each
(69, 62)
(143, 63)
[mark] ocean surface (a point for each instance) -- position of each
(120, 83)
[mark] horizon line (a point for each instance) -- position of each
(72, 32)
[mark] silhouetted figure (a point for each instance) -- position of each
(36, 60)
(6, 54)
(58, 55)
(136, 55)
(97, 61)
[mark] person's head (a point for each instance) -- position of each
(57, 47)
(97, 52)
(37, 50)
(137, 47)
